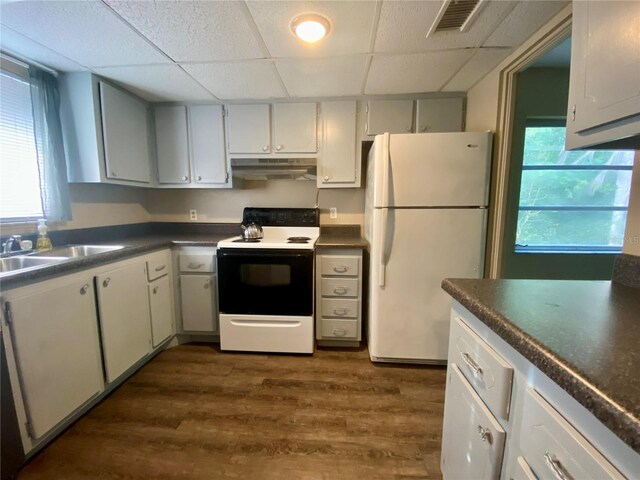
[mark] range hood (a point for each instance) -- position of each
(274, 168)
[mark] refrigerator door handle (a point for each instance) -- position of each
(383, 246)
(386, 166)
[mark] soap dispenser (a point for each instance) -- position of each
(44, 243)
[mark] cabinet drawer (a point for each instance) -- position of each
(158, 266)
(553, 448)
(339, 328)
(339, 287)
(486, 371)
(338, 307)
(472, 439)
(197, 263)
(340, 265)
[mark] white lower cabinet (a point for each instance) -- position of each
(198, 290)
(161, 308)
(504, 418)
(125, 325)
(198, 296)
(56, 348)
(472, 439)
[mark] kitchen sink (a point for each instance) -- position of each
(11, 264)
(73, 251)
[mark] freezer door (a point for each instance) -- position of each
(412, 251)
(432, 170)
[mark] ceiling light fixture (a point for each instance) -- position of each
(310, 27)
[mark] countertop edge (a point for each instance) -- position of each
(615, 417)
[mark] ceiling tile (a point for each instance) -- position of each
(255, 79)
(323, 77)
(404, 25)
(13, 42)
(475, 69)
(86, 32)
(157, 83)
(414, 73)
(351, 25)
(523, 21)
(194, 31)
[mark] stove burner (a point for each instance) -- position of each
(247, 240)
(298, 240)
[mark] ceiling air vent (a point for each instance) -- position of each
(456, 15)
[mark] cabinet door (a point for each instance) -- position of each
(124, 318)
(171, 144)
(439, 115)
(472, 439)
(248, 129)
(338, 162)
(393, 116)
(199, 306)
(57, 351)
(161, 308)
(206, 144)
(605, 63)
(125, 131)
(295, 127)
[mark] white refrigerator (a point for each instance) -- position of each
(425, 220)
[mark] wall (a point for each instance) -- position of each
(97, 205)
(173, 205)
(632, 233)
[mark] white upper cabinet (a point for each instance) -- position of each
(172, 145)
(125, 131)
(439, 115)
(604, 93)
(295, 127)
(248, 129)
(206, 145)
(190, 146)
(338, 165)
(393, 116)
(105, 131)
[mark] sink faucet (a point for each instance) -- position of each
(7, 247)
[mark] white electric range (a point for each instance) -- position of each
(266, 287)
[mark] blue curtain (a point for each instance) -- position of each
(54, 188)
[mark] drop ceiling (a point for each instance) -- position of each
(242, 50)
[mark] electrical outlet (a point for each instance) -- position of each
(333, 212)
(193, 214)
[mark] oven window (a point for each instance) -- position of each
(256, 275)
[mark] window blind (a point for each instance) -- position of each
(19, 178)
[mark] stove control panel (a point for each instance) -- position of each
(282, 217)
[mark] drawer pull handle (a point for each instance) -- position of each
(341, 312)
(556, 467)
(340, 269)
(194, 265)
(84, 289)
(472, 365)
(106, 282)
(340, 290)
(160, 268)
(485, 434)
(339, 332)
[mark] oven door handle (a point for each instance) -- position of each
(254, 322)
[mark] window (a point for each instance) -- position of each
(19, 177)
(571, 201)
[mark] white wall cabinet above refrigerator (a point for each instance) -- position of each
(392, 116)
(105, 131)
(190, 147)
(604, 88)
(272, 130)
(439, 115)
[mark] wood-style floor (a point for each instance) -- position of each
(196, 413)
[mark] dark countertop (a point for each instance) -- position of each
(341, 236)
(133, 246)
(581, 334)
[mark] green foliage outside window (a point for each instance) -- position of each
(571, 200)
